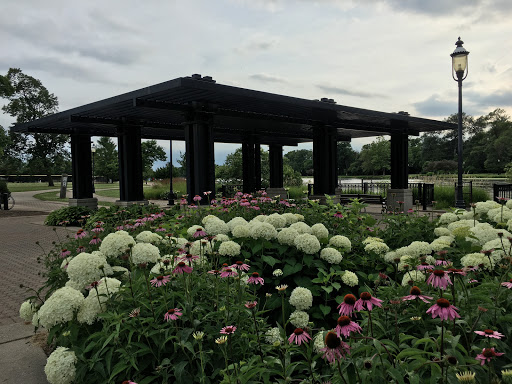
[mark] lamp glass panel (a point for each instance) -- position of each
(459, 62)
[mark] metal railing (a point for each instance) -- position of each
(501, 191)
(467, 192)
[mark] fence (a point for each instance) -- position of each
(502, 191)
(467, 191)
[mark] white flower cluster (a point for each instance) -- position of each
(307, 243)
(301, 227)
(235, 222)
(419, 248)
(320, 231)
(407, 262)
(343, 242)
(209, 217)
(460, 224)
(85, 268)
(291, 218)
(301, 298)
(221, 238)
(148, 237)
(201, 248)
(116, 244)
(160, 267)
(349, 278)
(60, 366)
(372, 239)
(241, 231)
(319, 341)
(299, 319)
(377, 247)
(144, 253)
(216, 227)
(276, 220)
(499, 247)
(273, 336)
(482, 233)
(229, 248)
(500, 215)
(263, 230)
(90, 308)
(415, 276)
(447, 218)
(482, 207)
(286, 236)
(391, 257)
(442, 231)
(118, 268)
(193, 229)
(440, 244)
(60, 307)
(27, 310)
(277, 272)
(331, 255)
(476, 260)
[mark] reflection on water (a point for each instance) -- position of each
(310, 180)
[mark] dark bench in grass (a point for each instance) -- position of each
(346, 198)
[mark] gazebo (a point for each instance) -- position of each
(201, 112)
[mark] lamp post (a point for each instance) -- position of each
(459, 73)
(93, 151)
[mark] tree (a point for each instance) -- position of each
(182, 161)
(164, 172)
(232, 168)
(28, 100)
(376, 156)
(301, 161)
(151, 152)
(106, 161)
(346, 156)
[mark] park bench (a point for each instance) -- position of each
(346, 198)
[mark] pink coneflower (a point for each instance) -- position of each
(135, 312)
(199, 233)
(366, 300)
(415, 293)
(442, 261)
(424, 266)
(240, 265)
(173, 314)
(98, 228)
(128, 382)
(119, 228)
(335, 349)
(197, 198)
(228, 272)
(457, 271)
(251, 304)
(160, 229)
(488, 354)
(80, 234)
(160, 280)
(95, 240)
(507, 284)
(64, 253)
(189, 258)
(345, 326)
(338, 214)
(181, 268)
(94, 284)
(80, 249)
(255, 279)
(490, 333)
(299, 336)
(439, 279)
(229, 330)
(347, 306)
(214, 272)
(444, 310)
(207, 193)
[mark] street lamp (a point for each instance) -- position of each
(459, 73)
(93, 150)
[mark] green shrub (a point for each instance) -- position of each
(3, 187)
(68, 216)
(445, 196)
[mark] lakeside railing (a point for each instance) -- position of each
(503, 191)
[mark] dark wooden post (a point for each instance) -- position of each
(325, 159)
(171, 191)
(82, 171)
(248, 169)
(399, 161)
(257, 167)
(130, 164)
(275, 154)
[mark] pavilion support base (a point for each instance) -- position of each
(323, 200)
(91, 203)
(399, 200)
(121, 203)
(273, 192)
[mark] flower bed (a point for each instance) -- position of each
(253, 290)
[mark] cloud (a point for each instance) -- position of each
(435, 106)
(501, 98)
(257, 43)
(347, 92)
(268, 78)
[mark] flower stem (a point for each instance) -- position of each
(341, 373)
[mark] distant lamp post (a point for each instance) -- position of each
(93, 151)
(459, 73)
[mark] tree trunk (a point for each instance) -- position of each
(50, 180)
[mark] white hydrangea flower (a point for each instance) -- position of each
(144, 253)
(391, 257)
(259, 218)
(118, 268)
(430, 260)
(116, 244)
(483, 232)
(419, 248)
(207, 218)
(85, 268)
(221, 238)
(201, 248)
(407, 262)
(290, 218)
(372, 239)
(331, 255)
(442, 231)
(27, 310)
(65, 262)
(402, 251)
(216, 227)
(502, 217)
(509, 225)
(499, 248)
(286, 236)
(438, 245)
(508, 204)
(415, 276)
(241, 231)
(349, 278)
(164, 264)
(149, 237)
(35, 320)
(476, 260)
(307, 243)
(482, 207)
(60, 366)
(467, 215)
(299, 217)
(460, 224)
(320, 231)
(276, 220)
(301, 298)
(263, 231)
(343, 242)
(229, 248)
(193, 229)
(377, 247)
(273, 336)
(319, 341)
(277, 273)
(448, 217)
(235, 222)
(299, 319)
(91, 308)
(301, 227)
(60, 307)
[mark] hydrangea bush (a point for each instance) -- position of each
(253, 290)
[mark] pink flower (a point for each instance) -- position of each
(424, 266)
(338, 214)
(487, 354)
(214, 272)
(182, 268)
(94, 284)
(199, 233)
(335, 349)
(160, 280)
(229, 330)
(507, 284)
(255, 279)
(444, 310)
(65, 253)
(135, 312)
(415, 293)
(80, 249)
(189, 258)
(160, 229)
(347, 307)
(345, 326)
(299, 336)
(128, 382)
(240, 265)
(119, 228)
(98, 229)
(442, 261)
(95, 240)
(197, 198)
(173, 314)
(207, 193)
(366, 300)
(228, 272)
(80, 234)
(251, 304)
(439, 279)
(457, 271)
(490, 333)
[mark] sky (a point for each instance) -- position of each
(384, 55)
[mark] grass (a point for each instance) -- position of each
(24, 187)
(54, 196)
(445, 196)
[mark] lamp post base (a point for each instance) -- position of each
(459, 198)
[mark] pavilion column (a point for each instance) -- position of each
(130, 165)
(399, 197)
(257, 167)
(275, 157)
(81, 163)
(248, 169)
(325, 161)
(199, 144)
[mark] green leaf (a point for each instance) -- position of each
(308, 260)
(327, 289)
(269, 260)
(290, 270)
(336, 285)
(325, 309)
